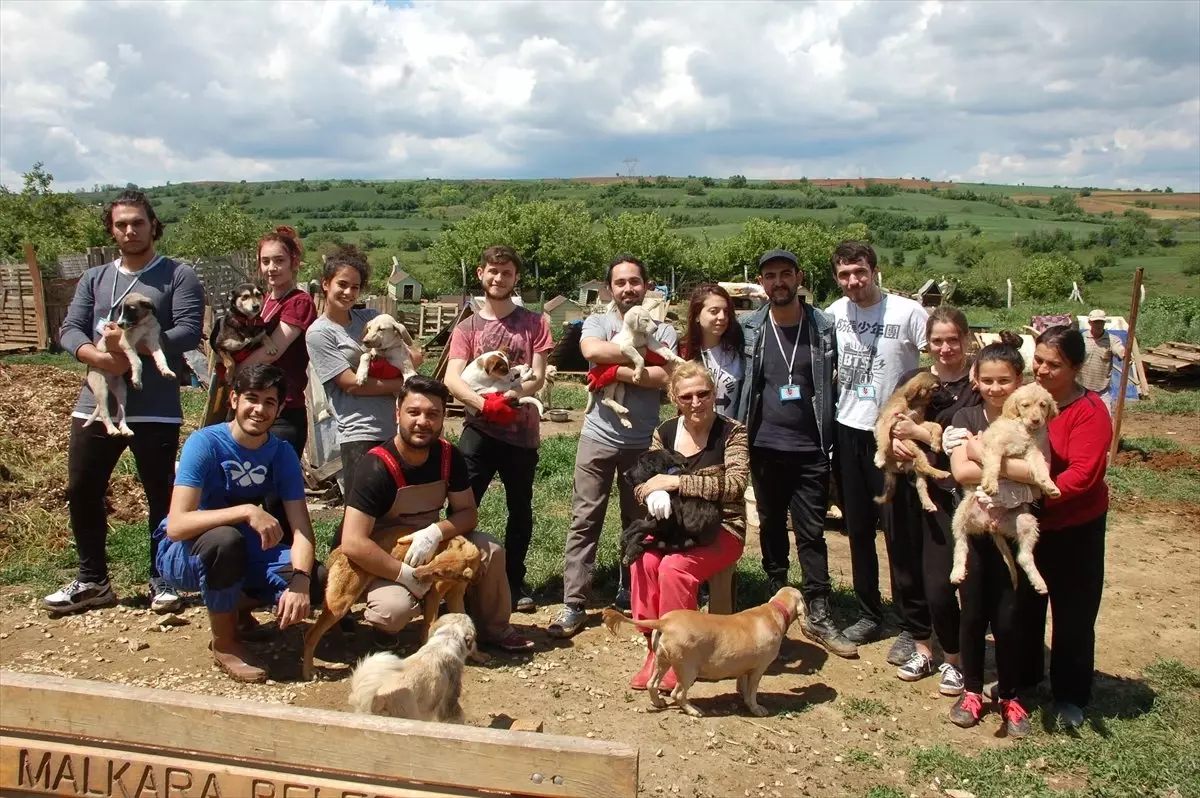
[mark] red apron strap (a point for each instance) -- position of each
(393, 465)
(445, 461)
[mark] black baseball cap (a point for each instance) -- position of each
(778, 254)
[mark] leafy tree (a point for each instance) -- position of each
(810, 241)
(1166, 235)
(922, 259)
(694, 188)
(1105, 260)
(208, 232)
(898, 258)
(737, 181)
(1191, 263)
(56, 224)
(648, 236)
(1047, 277)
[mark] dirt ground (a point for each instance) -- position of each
(1178, 429)
(823, 738)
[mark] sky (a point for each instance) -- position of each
(1075, 93)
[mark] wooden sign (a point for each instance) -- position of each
(78, 738)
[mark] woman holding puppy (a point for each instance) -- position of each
(718, 469)
(1070, 551)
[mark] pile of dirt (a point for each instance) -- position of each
(1158, 460)
(35, 428)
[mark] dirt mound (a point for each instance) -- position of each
(1158, 461)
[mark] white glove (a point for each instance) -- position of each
(424, 545)
(407, 578)
(953, 437)
(658, 503)
(985, 501)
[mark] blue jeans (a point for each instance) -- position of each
(224, 563)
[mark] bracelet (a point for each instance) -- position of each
(300, 572)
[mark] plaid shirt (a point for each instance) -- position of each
(1098, 360)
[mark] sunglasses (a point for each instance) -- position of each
(692, 398)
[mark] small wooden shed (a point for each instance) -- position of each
(594, 292)
(930, 294)
(402, 286)
(561, 310)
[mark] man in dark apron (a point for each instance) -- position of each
(404, 483)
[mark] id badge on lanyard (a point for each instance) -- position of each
(865, 392)
(115, 302)
(789, 392)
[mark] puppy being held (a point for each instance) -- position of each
(458, 561)
(425, 686)
(1019, 433)
(387, 354)
(241, 330)
(910, 401)
(636, 335)
(682, 523)
(703, 646)
(493, 373)
(138, 326)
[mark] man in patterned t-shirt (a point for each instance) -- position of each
(503, 436)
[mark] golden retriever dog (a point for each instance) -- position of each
(636, 335)
(138, 326)
(425, 686)
(385, 338)
(493, 372)
(1018, 433)
(910, 400)
(703, 646)
(455, 565)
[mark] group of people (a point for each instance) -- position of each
(783, 400)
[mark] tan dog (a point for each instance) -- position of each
(425, 686)
(386, 338)
(456, 563)
(910, 400)
(1016, 434)
(703, 646)
(493, 372)
(636, 335)
(138, 326)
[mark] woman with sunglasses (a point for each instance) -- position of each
(717, 470)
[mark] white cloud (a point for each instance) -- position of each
(1066, 92)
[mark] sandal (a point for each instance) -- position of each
(514, 642)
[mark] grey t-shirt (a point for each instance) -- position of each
(601, 424)
(332, 349)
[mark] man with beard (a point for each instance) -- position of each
(154, 413)
(503, 436)
(405, 482)
(787, 405)
(218, 539)
(605, 445)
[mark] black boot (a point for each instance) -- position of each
(820, 628)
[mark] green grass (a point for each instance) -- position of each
(59, 360)
(1174, 485)
(1182, 402)
(855, 707)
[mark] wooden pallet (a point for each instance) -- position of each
(1174, 359)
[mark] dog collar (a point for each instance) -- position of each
(782, 610)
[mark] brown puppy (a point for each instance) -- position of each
(456, 563)
(911, 400)
(703, 646)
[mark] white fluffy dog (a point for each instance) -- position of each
(386, 338)
(425, 686)
(636, 335)
(493, 372)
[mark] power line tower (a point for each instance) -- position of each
(630, 166)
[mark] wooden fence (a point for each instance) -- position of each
(22, 305)
(74, 737)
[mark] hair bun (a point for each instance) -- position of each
(1010, 338)
(285, 230)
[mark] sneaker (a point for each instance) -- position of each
(902, 649)
(79, 596)
(863, 631)
(622, 602)
(952, 680)
(966, 710)
(522, 601)
(1069, 714)
(163, 598)
(918, 667)
(567, 622)
(1016, 719)
(820, 628)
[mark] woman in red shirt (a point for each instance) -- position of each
(1070, 552)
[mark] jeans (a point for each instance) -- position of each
(798, 481)
(92, 455)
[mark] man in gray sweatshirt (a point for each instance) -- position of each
(154, 412)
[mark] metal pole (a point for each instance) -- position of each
(1129, 339)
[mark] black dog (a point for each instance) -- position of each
(693, 521)
(241, 329)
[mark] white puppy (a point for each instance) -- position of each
(492, 372)
(425, 686)
(636, 335)
(389, 339)
(138, 326)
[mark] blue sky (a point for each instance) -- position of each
(1076, 93)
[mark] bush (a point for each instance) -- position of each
(1091, 273)
(737, 181)
(977, 293)
(1105, 260)
(694, 188)
(1047, 277)
(1169, 318)
(1191, 263)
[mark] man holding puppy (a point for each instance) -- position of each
(606, 447)
(219, 540)
(501, 436)
(405, 482)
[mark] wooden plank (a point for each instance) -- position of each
(1180, 345)
(39, 296)
(322, 743)
(1181, 354)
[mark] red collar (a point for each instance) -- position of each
(782, 610)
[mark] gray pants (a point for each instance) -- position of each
(595, 465)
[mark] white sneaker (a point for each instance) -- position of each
(952, 680)
(163, 598)
(80, 595)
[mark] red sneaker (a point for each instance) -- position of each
(642, 677)
(1016, 719)
(966, 710)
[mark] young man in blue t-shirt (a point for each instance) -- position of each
(217, 538)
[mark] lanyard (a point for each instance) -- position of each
(112, 307)
(875, 340)
(792, 361)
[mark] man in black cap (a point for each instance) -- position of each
(787, 404)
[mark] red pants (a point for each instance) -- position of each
(661, 583)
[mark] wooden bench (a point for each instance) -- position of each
(74, 737)
(722, 591)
